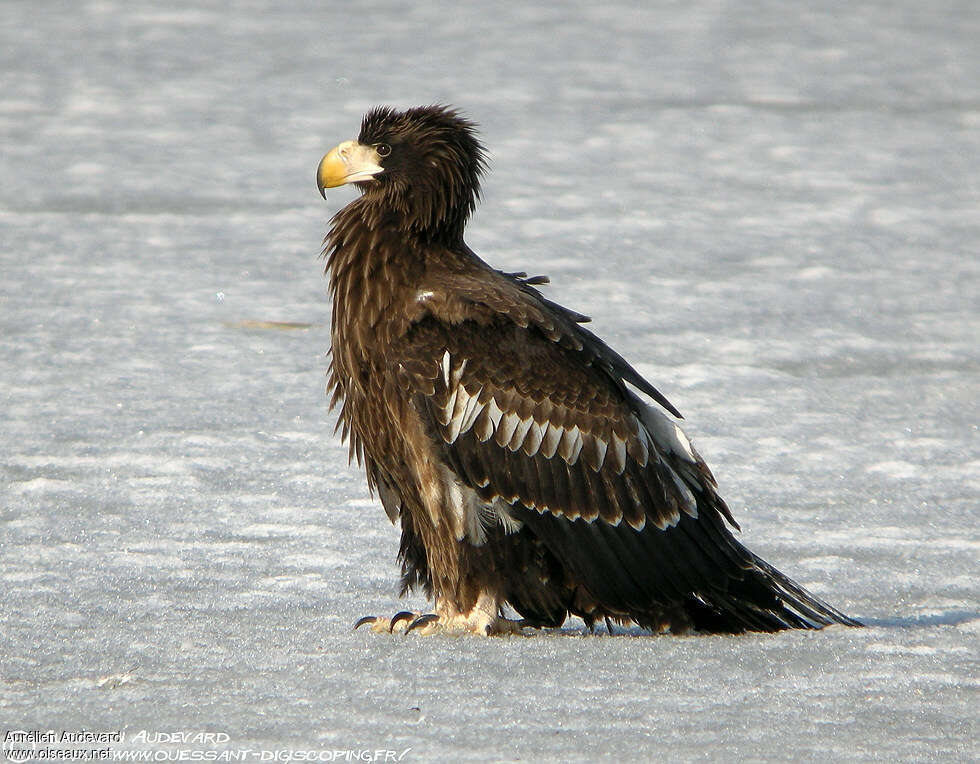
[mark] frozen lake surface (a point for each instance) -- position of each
(773, 213)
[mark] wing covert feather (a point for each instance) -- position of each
(532, 421)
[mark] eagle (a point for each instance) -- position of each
(528, 464)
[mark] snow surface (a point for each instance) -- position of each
(772, 209)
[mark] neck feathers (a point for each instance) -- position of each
(370, 264)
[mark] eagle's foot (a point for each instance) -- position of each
(495, 627)
(432, 623)
(483, 619)
(459, 624)
(398, 622)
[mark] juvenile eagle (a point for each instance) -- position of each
(511, 443)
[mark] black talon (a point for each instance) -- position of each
(422, 620)
(364, 620)
(404, 615)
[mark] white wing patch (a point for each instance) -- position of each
(550, 440)
(446, 362)
(471, 516)
(666, 437)
(653, 436)
(478, 410)
(570, 445)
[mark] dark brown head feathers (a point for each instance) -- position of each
(432, 166)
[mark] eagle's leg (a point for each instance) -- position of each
(483, 619)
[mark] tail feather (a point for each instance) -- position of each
(764, 600)
(798, 598)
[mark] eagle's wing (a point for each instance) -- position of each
(539, 417)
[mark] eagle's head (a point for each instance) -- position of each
(423, 164)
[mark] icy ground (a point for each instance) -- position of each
(773, 212)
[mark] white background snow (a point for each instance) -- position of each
(772, 209)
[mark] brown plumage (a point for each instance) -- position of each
(502, 435)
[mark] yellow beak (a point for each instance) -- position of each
(348, 162)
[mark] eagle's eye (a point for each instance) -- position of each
(383, 149)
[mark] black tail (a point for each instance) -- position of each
(763, 600)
